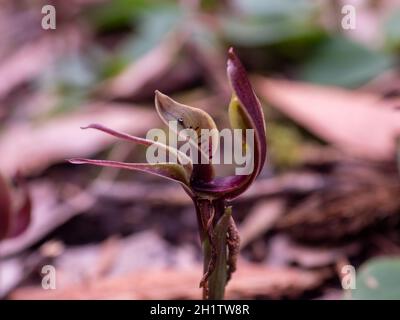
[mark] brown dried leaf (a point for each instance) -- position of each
(31, 59)
(356, 203)
(360, 123)
(284, 251)
(142, 71)
(250, 280)
(260, 220)
(31, 147)
(47, 214)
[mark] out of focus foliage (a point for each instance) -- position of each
(378, 279)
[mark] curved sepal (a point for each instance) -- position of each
(245, 112)
(182, 158)
(171, 171)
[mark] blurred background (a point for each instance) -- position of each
(328, 196)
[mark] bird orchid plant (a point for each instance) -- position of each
(211, 195)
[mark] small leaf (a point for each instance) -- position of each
(339, 61)
(171, 171)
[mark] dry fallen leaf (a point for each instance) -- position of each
(260, 220)
(32, 147)
(251, 280)
(32, 58)
(47, 214)
(284, 251)
(360, 123)
(296, 183)
(361, 200)
(144, 69)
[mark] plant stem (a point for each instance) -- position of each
(218, 278)
(217, 281)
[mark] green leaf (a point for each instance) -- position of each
(339, 61)
(378, 279)
(392, 30)
(116, 14)
(273, 7)
(152, 26)
(249, 32)
(269, 22)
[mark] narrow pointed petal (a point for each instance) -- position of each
(171, 171)
(182, 158)
(120, 135)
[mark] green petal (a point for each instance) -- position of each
(237, 116)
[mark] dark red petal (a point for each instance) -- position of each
(232, 186)
(118, 134)
(182, 158)
(22, 217)
(5, 208)
(243, 90)
(227, 187)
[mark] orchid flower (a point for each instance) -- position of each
(210, 194)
